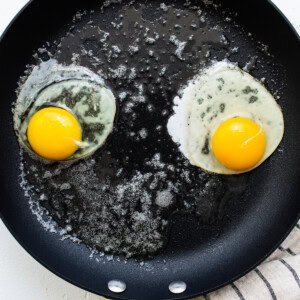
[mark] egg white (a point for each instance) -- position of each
(74, 88)
(220, 92)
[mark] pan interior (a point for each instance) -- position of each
(154, 200)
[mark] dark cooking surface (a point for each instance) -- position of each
(146, 53)
(205, 251)
(109, 201)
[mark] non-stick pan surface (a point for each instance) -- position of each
(204, 256)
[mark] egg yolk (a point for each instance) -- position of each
(54, 133)
(239, 143)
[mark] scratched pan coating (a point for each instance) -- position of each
(211, 237)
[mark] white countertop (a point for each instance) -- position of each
(21, 277)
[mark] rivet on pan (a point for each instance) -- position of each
(177, 287)
(116, 286)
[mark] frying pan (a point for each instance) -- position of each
(205, 257)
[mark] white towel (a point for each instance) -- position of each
(277, 278)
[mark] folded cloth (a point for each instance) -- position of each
(277, 278)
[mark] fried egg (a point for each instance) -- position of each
(63, 113)
(225, 121)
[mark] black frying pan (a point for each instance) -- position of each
(205, 256)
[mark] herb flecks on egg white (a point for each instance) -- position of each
(225, 121)
(63, 112)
